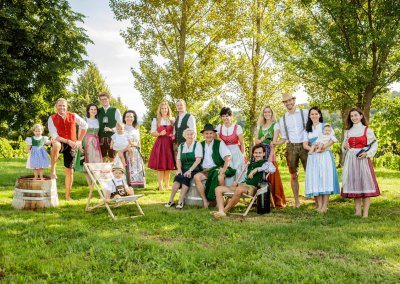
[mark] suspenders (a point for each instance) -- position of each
(285, 125)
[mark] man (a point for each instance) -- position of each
(246, 185)
(183, 120)
(62, 128)
(216, 159)
(108, 118)
(292, 126)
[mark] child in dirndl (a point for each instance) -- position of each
(38, 159)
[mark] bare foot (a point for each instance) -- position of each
(68, 198)
(206, 204)
(297, 204)
(53, 176)
(219, 214)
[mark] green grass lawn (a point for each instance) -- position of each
(67, 244)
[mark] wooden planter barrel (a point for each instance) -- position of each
(33, 194)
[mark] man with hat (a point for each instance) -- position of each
(108, 117)
(292, 125)
(215, 164)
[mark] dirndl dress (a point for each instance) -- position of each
(38, 157)
(358, 176)
(162, 153)
(135, 171)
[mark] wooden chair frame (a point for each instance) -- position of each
(113, 203)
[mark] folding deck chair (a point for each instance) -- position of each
(245, 197)
(100, 175)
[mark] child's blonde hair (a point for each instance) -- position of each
(37, 125)
(120, 124)
(159, 116)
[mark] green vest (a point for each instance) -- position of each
(187, 159)
(257, 177)
(38, 143)
(218, 160)
(111, 121)
(179, 130)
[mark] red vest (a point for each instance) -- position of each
(358, 142)
(66, 128)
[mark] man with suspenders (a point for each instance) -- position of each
(292, 125)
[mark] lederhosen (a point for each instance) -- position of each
(119, 189)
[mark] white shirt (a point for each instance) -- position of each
(191, 121)
(111, 186)
(92, 122)
(132, 133)
(295, 126)
(53, 130)
(198, 152)
(207, 159)
(267, 167)
(118, 116)
(227, 131)
(162, 122)
(358, 130)
(120, 141)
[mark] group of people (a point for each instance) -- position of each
(217, 164)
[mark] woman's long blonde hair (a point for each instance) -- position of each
(159, 115)
(261, 119)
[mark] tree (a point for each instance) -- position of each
(257, 79)
(345, 52)
(185, 37)
(40, 46)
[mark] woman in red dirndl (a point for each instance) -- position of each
(162, 154)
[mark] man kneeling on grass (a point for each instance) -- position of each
(247, 185)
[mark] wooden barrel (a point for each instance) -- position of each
(33, 194)
(192, 196)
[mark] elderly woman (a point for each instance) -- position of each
(188, 162)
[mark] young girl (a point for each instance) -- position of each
(38, 158)
(121, 143)
(359, 181)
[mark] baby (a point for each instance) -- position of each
(323, 139)
(117, 187)
(121, 143)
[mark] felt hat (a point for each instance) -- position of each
(118, 168)
(287, 96)
(208, 127)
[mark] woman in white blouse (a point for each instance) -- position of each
(232, 135)
(161, 156)
(358, 178)
(188, 162)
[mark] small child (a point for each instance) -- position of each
(38, 158)
(121, 143)
(323, 139)
(117, 187)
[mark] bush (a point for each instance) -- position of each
(388, 161)
(12, 149)
(146, 142)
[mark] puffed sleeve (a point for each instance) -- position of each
(154, 125)
(218, 129)
(239, 130)
(374, 147)
(305, 135)
(29, 140)
(46, 139)
(276, 126)
(224, 150)
(199, 150)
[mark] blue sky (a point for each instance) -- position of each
(112, 56)
(109, 51)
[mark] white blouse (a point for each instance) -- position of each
(227, 131)
(132, 133)
(92, 122)
(357, 130)
(29, 139)
(162, 122)
(198, 152)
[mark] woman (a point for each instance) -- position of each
(188, 162)
(161, 156)
(359, 181)
(232, 135)
(134, 166)
(266, 132)
(321, 175)
(91, 152)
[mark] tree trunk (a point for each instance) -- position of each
(182, 51)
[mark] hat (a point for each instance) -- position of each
(208, 127)
(287, 96)
(118, 168)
